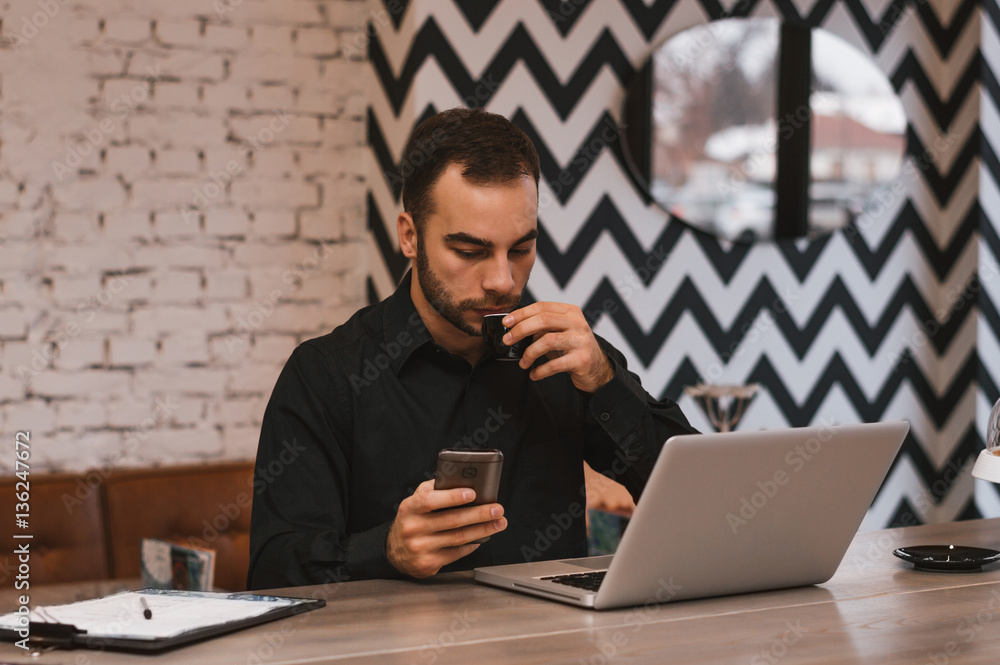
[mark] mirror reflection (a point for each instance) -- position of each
(715, 138)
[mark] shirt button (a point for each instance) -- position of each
(605, 416)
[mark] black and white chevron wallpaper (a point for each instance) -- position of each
(896, 318)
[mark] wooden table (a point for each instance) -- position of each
(876, 609)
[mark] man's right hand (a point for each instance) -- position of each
(422, 541)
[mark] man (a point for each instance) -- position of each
(344, 481)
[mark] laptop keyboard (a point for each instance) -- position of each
(589, 581)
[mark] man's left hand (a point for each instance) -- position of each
(561, 334)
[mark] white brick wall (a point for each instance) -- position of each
(165, 168)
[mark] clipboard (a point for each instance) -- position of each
(176, 618)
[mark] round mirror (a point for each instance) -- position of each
(733, 130)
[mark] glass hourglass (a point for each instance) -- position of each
(724, 405)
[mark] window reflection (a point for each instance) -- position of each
(715, 134)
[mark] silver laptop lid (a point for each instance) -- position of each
(747, 511)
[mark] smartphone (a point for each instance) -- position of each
(478, 469)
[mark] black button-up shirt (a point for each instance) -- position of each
(358, 416)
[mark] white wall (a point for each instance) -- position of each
(181, 203)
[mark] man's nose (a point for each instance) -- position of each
(498, 278)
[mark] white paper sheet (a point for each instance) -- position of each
(173, 613)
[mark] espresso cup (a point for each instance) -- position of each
(493, 332)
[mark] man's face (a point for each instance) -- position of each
(476, 250)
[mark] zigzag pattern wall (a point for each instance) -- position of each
(886, 320)
(988, 329)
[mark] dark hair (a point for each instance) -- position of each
(491, 149)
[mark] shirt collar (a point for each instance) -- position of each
(403, 329)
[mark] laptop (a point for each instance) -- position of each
(729, 513)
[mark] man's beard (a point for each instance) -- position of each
(440, 299)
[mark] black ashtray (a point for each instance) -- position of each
(947, 558)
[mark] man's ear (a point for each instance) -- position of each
(406, 229)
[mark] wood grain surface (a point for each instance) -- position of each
(876, 609)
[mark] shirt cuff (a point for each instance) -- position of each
(618, 405)
(366, 556)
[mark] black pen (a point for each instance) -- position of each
(146, 612)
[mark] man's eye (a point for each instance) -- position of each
(521, 252)
(466, 254)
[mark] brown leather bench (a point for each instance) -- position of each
(205, 506)
(66, 522)
(89, 526)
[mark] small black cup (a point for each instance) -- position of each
(493, 332)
